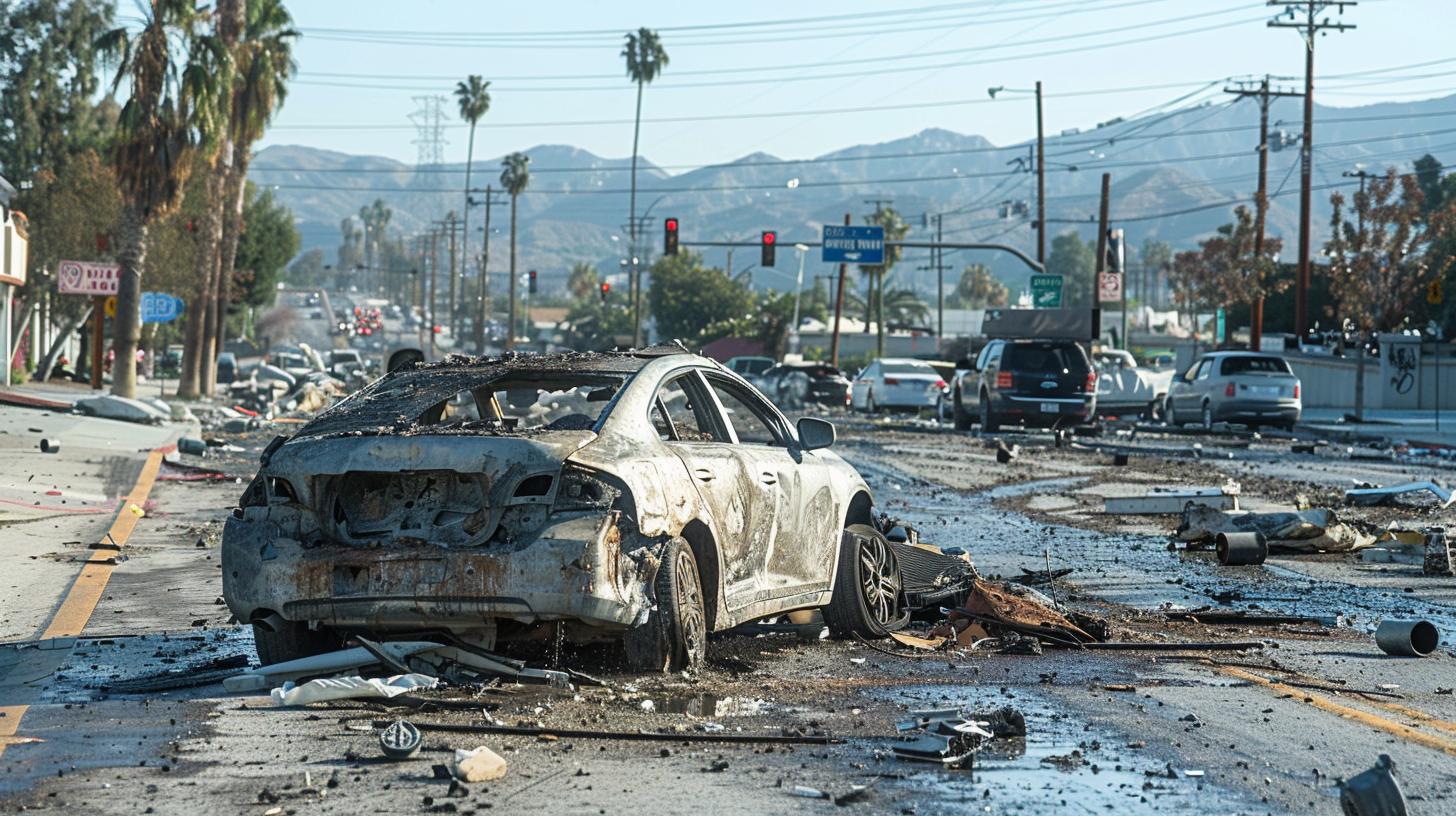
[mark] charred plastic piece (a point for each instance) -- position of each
(401, 740)
(1407, 638)
(1374, 792)
(1240, 549)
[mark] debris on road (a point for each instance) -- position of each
(1240, 549)
(1004, 455)
(477, 765)
(1161, 501)
(110, 406)
(1440, 554)
(400, 740)
(1370, 496)
(324, 689)
(1407, 638)
(1317, 530)
(1374, 792)
(950, 738)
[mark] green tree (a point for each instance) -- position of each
(978, 289)
(172, 98)
(473, 95)
(584, 281)
(692, 302)
(515, 177)
(905, 308)
(896, 229)
(597, 326)
(1428, 177)
(307, 271)
(1156, 259)
(48, 80)
(645, 58)
(351, 246)
(1076, 261)
(268, 241)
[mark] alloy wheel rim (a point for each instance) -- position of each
(689, 603)
(879, 580)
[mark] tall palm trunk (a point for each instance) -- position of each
(636, 282)
(477, 334)
(127, 326)
(511, 321)
(199, 306)
(232, 224)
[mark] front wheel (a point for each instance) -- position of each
(290, 640)
(1170, 417)
(866, 600)
(870, 407)
(989, 423)
(675, 636)
(1206, 420)
(962, 416)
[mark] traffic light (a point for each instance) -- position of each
(531, 282)
(669, 236)
(770, 240)
(606, 290)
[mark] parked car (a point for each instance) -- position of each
(227, 367)
(1250, 388)
(1037, 383)
(1124, 387)
(895, 383)
(794, 385)
(748, 367)
(651, 497)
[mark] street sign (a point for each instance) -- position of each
(109, 306)
(1220, 326)
(1046, 291)
(861, 245)
(87, 278)
(1109, 287)
(1434, 295)
(160, 307)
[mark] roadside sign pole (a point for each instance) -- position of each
(98, 317)
(838, 309)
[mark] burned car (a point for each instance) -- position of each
(650, 498)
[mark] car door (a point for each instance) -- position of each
(793, 514)
(1189, 401)
(690, 425)
(989, 365)
(863, 382)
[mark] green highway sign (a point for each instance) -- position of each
(1046, 291)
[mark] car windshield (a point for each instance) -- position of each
(1255, 365)
(1032, 357)
(907, 368)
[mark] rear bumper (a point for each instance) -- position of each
(1245, 410)
(573, 569)
(1032, 410)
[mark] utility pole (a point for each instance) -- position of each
(1101, 265)
(1040, 182)
(1360, 173)
(453, 312)
(434, 266)
(1263, 93)
(1308, 28)
(482, 307)
(838, 310)
(939, 256)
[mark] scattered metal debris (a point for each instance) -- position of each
(1407, 638)
(1168, 502)
(1369, 496)
(1440, 554)
(1374, 792)
(1318, 530)
(1240, 549)
(637, 736)
(400, 740)
(950, 738)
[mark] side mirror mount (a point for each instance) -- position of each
(815, 434)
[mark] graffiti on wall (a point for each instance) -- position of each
(1402, 360)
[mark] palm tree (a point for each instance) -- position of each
(645, 58)
(515, 176)
(376, 218)
(474, 98)
(259, 35)
(895, 230)
(170, 70)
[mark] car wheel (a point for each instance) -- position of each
(989, 423)
(962, 417)
(1207, 418)
(870, 407)
(866, 600)
(675, 636)
(1170, 417)
(291, 640)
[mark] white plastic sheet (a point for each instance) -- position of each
(343, 688)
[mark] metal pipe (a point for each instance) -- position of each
(1241, 549)
(1407, 638)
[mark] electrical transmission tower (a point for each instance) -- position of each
(429, 122)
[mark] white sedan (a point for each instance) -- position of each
(896, 383)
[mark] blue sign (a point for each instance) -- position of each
(159, 307)
(861, 245)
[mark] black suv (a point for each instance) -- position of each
(1047, 383)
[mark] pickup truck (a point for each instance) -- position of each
(1125, 388)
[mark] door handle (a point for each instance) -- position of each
(703, 474)
(768, 478)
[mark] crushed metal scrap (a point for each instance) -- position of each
(1315, 530)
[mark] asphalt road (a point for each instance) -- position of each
(1265, 731)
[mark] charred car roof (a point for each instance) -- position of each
(394, 403)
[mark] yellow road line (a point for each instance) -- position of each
(80, 602)
(1406, 732)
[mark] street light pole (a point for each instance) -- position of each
(798, 292)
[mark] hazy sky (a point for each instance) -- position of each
(558, 77)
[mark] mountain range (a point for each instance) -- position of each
(1175, 176)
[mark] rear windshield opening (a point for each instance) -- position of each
(1023, 357)
(559, 403)
(1255, 365)
(908, 368)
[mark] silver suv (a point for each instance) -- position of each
(1235, 386)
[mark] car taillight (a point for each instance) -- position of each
(939, 384)
(891, 381)
(1091, 382)
(1296, 390)
(1228, 390)
(1003, 379)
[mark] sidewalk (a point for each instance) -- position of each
(1423, 428)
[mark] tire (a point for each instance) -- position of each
(1170, 417)
(870, 407)
(293, 640)
(675, 636)
(962, 418)
(1206, 418)
(867, 586)
(989, 423)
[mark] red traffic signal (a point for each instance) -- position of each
(669, 236)
(769, 240)
(531, 281)
(606, 288)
